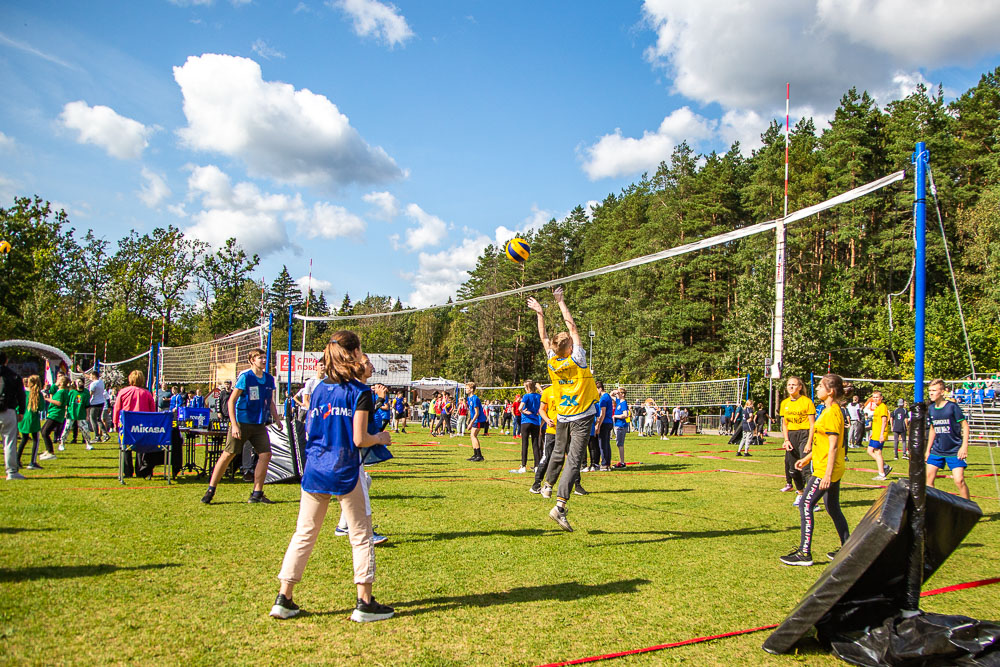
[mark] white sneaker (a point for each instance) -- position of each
(15, 475)
(45, 456)
(89, 447)
(522, 470)
(62, 447)
(798, 500)
(341, 532)
(879, 478)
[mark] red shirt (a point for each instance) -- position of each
(517, 406)
(133, 399)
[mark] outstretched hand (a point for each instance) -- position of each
(534, 305)
(557, 294)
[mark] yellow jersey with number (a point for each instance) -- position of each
(878, 432)
(796, 413)
(576, 391)
(550, 401)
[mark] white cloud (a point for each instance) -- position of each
(440, 274)
(121, 137)
(318, 285)
(265, 51)
(6, 143)
(28, 48)
(615, 155)
(430, 229)
(293, 136)
(386, 205)
(9, 188)
(372, 17)
(537, 219)
(155, 190)
(330, 221)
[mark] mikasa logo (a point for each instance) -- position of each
(148, 429)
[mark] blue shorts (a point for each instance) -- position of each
(875, 444)
(939, 462)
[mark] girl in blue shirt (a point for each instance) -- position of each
(477, 419)
(531, 424)
(336, 427)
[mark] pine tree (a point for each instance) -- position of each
(284, 292)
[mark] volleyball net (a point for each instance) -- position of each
(697, 394)
(212, 362)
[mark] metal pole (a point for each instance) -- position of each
(778, 339)
(917, 441)
(288, 389)
(270, 324)
(812, 386)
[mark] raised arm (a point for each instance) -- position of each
(557, 293)
(537, 307)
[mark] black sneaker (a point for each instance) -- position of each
(254, 499)
(477, 458)
(580, 491)
(739, 453)
(832, 555)
(536, 488)
(366, 612)
(284, 608)
(207, 498)
(474, 457)
(797, 558)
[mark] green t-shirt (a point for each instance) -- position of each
(31, 420)
(58, 413)
(78, 403)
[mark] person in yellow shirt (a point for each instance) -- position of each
(880, 429)
(827, 458)
(798, 416)
(577, 398)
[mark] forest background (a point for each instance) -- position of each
(705, 315)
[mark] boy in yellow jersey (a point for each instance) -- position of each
(548, 415)
(577, 396)
(798, 415)
(880, 429)
(827, 457)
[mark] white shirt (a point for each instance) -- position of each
(854, 411)
(97, 396)
(678, 414)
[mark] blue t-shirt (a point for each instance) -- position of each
(197, 402)
(333, 461)
(254, 404)
(621, 408)
(609, 403)
(946, 421)
(532, 403)
(474, 405)
(176, 401)
(728, 411)
(399, 405)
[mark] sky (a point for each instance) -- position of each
(390, 143)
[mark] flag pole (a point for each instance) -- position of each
(778, 349)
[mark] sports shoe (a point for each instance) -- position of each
(739, 453)
(89, 447)
(15, 475)
(786, 488)
(879, 478)
(887, 469)
(261, 499)
(559, 516)
(340, 532)
(46, 456)
(798, 500)
(580, 491)
(618, 466)
(747, 454)
(366, 612)
(535, 488)
(605, 468)
(797, 558)
(546, 491)
(378, 539)
(471, 458)
(520, 471)
(833, 554)
(209, 494)
(33, 466)
(284, 608)
(62, 447)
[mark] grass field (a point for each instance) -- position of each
(680, 546)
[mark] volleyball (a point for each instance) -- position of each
(4, 247)
(518, 250)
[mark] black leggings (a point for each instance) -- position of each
(604, 439)
(799, 439)
(50, 427)
(530, 432)
(34, 447)
(808, 506)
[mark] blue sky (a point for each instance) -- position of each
(390, 143)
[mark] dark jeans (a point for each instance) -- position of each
(505, 422)
(517, 426)
(594, 450)
(51, 428)
(808, 505)
(896, 438)
(549, 441)
(571, 441)
(34, 447)
(604, 439)
(94, 413)
(677, 425)
(530, 432)
(799, 440)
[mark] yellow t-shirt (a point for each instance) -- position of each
(549, 399)
(881, 410)
(831, 421)
(796, 413)
(577, 391)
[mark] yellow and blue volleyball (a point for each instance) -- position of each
(518, 250)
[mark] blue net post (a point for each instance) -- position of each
(747, 398)
(812, 386)
(270, 325)
(288, 392)
(917, 442)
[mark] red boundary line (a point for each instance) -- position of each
(699, 640)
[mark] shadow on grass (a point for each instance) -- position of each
(565, 592)
(681, 534)
(72, 571)
(402, 497)
(643, 491)
(13, 530)
(454, 535)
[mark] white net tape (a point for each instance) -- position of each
(115, 373)
(646, 259)
(209, 363)
(705, 393)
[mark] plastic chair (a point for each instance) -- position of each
(145, 433)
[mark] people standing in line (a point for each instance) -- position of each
(336, 429)
(197, 401)
(827, 457)
(251, 405)
(547, 412)
(798, 419)
(447, 407)
(176, 400)
(531, 425)
(55, 417)
(12, 403)
(900, 423)
(949, 440)
(577, 396)
(747, 425)
(76, 416)
(605, 425)
(857, 415)
(880, 430)
(621, 422)
(30, 421)
(97, 407)
(477, 421)
(463, 417)
(515, 408)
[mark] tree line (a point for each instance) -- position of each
(699, 316)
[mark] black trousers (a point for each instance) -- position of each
(529, 432)
(604, 439)
(799, 440)
(51, 428)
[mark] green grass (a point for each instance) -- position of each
(97, 573)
